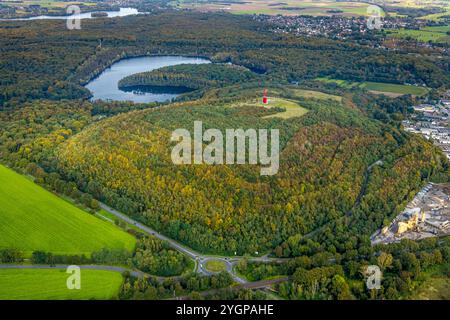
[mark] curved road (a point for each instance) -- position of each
(199, 258)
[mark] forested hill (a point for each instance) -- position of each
(45, 60)
(125, 162)
(190, 76)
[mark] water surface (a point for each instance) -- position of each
(105, 86)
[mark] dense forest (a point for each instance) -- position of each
(318, 211)
(125, 162)
(35, 63)
(190, 76)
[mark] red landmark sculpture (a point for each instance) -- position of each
(265, 97)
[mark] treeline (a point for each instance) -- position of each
(103, 256)
(152, 289)
(152, 256)
(155, 257)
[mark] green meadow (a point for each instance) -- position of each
(274, 7)
(394, 88)
(292, 109)
(33, 218)
(310, 94)
(51, 284)
(437, 34)
(379, 87)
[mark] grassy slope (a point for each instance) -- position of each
(33, 218)
(292, 108)
(16, 284)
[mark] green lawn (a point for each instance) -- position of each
(33, 218)
(215, 265)
(46, 284)
(341, 83)
(394, 88)
(292, 108)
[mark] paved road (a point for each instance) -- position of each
(200, 259)
(191, 253)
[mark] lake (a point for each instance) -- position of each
(105, 86)
(87, 15)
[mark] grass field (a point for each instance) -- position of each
(292, 108)
(340, 83)
(46, 284)
(436, 16)
(301, 93)
(436, 34)
(394, 88)
(33, 218)
(215, 265)
(49, 4)
(390, 89)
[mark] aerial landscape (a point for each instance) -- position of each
(196, 150)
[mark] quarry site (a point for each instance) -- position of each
(427, 215)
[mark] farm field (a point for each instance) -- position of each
(436, 16)
(274, 7)
(35, 219)
(436, 34)
(379, 87)
(394, 88)
(48, 4)
(50, 284)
